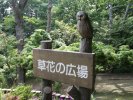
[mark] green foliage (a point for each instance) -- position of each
(32, 42)
(93, 97)
(58, 43)
(125, 60)
(105, 56)
(37, 8)
(9, 76)
(32, 23)
(10, 59)
(64, 34)
(108, 58)
(37, 36)
(1, 93)
(23, 92)
(9, 24)
(71, 47)
(113, 46)
(57, 87)
(25, 58)
(7, 59)
(122, 33)
(7, 48)
(2, 60)
(66, 9)
(7, 44)
(3, 82)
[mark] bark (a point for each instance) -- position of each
(21, 75)
(110, 15)
(49, 16)
(18, 8)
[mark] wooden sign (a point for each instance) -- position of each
(67, 67)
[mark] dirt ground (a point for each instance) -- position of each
(114, 87)
(116, 83)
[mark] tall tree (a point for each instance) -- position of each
(110, 15)
(18, 9)
(49, 16)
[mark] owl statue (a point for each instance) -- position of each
(84, 25)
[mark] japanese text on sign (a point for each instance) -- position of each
(80, 71)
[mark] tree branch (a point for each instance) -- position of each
(126, 12)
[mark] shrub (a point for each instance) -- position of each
(108, 58)
(23, 92)
(125, 60)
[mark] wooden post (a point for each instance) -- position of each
(73, 92)
(46, 84)
(82, 93)
(85, 46)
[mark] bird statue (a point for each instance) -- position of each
(84, 25)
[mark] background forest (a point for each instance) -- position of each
(23, 24)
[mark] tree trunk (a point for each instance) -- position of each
(110, 16)
(21, 75)
(18, 9)
(49, 16)
(20, 38)
(19, 31)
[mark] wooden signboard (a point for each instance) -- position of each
(67, 67)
